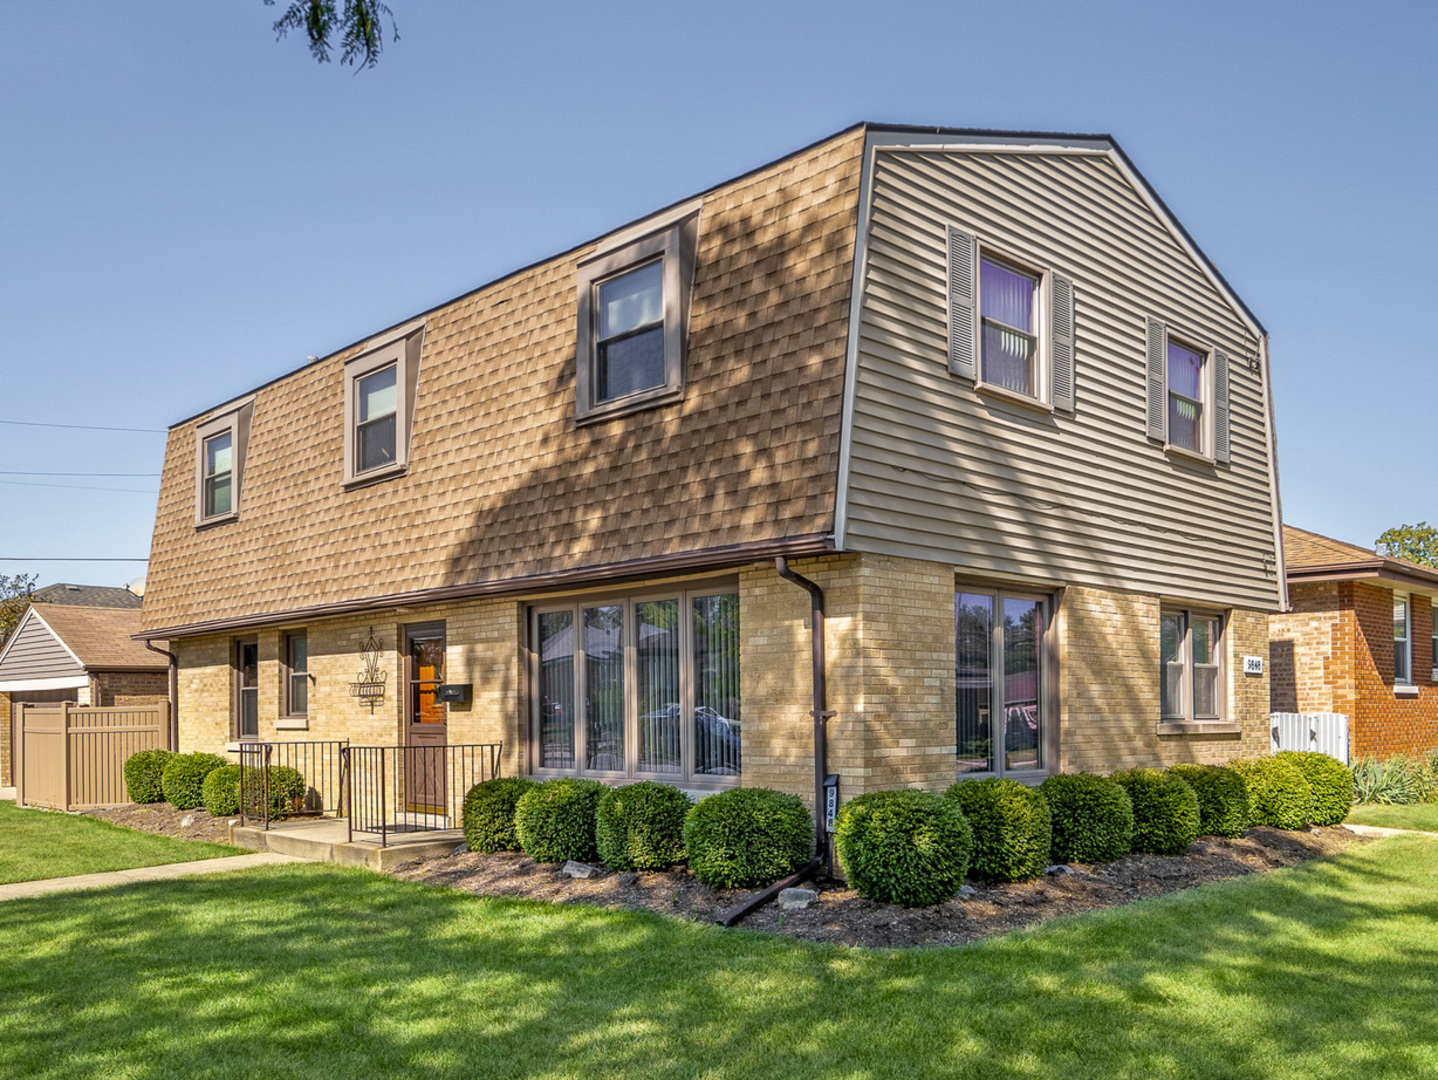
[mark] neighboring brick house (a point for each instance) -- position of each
(76, 643)
(1358, 639)
(981, 387)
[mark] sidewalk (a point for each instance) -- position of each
(21, 890)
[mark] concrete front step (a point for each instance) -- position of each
(326, 841)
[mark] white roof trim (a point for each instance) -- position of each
(1006, 145)
(72, 682)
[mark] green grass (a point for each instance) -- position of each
(37, 844)
(1324, 970)
(1422, 816)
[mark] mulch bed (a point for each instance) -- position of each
(164, 819)
(840, 915)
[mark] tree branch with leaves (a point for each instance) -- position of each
(357, 28)
(1416, 543)
(14, 599)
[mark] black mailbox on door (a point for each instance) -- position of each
(455, 693)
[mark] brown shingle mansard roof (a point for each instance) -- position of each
(502, 485)
(1310, 556)
(101, 636)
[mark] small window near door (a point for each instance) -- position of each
(247, 689)
(297, 675)
(998, 682)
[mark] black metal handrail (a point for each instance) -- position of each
(321, 763)
(407, 789)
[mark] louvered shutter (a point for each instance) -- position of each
(963, 293)
(1061, 357)
(1157, 381)
(1220, 406)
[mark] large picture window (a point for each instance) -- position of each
(998, 682)
(643, 686)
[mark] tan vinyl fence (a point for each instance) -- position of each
(72, 757)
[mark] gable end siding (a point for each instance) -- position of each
(36, 653)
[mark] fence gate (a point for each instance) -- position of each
(72, 757)
(1327, 733)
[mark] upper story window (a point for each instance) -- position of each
(1402, 642)
(1189, 665)
(380, 386)
(220, 444)
(1187, 395)
(1011, 326)
(633, 313)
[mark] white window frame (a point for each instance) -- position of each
(686, 777)
(1406, 641)
(1043, 339)
(400, 347)
(1433, 609)
(233, 420)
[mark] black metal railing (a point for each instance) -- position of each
(407, 789)
(269, 789)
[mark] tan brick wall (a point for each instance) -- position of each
(1109, 678)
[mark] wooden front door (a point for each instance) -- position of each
(426, 728)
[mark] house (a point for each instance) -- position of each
(76, 643)
(1358, 639)
(981, 389)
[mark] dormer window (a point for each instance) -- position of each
(380, 387)
(220, 444)
(633, 312)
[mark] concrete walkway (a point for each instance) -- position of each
(1379, 831)
(21, 890)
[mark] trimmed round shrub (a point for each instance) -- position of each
(143, 771)
(1012, 827)
(747, 837)
(641, 826)
(1165, 810)
(1330, 781)
(1278, 792)
(184, 777)
(1222, 798)
(221, 791)
(554, 820)
(904, 847)
(287, 790)
(1092, 818)
(488, 817)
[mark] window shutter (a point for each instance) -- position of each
(963, 303)
(1220, 406)
(1061, 357)
(1157, 381)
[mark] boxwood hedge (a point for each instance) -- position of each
(1165, 810)
(904, 847)
(1092, 818)
(143, 771)
(1012, 828)
(747, 837)
(641, 826)
(1222, 798)
(488, 815)
(554, 820)
(1330, 782)
(184, 778)
(221, 791)
(1278, 793)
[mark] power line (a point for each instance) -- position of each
(87, 427)
(76, 487)
(65, 558)
(16, 472)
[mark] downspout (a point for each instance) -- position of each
(174, 692)
(821, 711)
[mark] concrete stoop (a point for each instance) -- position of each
(327, 841)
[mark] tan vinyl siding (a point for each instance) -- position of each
(37, 654)
(938, 471)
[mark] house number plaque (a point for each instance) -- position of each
(1253, 665)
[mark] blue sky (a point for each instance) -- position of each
(191, 208)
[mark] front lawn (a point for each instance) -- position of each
(37, 844)
(1422, 816)
(1324, 970)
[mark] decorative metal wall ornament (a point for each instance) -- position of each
(370, 688)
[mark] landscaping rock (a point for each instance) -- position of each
(577, 870)
(1059, 868)
(796, 899)
(187, 821)
(460, 850)
(968, 890)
